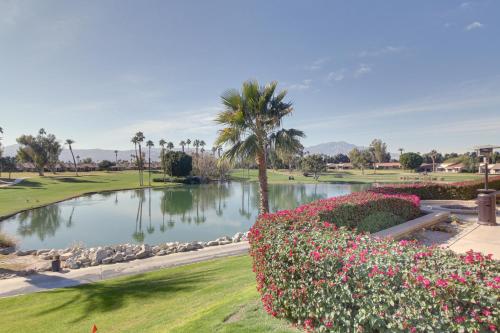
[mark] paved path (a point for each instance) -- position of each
(14, 182)
(50, 280)
(481, 238)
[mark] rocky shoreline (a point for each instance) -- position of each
(79, 257)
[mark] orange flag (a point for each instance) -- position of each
(94, 329)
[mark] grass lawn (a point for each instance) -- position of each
(348, 176)
(213, 296)
(38, 191)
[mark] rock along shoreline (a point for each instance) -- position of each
(78, 257)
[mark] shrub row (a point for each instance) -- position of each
(436, 191)
(326, 278)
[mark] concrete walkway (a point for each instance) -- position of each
(14, 182)
(470, 235)
(51, 280)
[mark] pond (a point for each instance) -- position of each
(153, 216)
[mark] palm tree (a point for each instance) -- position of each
(140, 138)
(214, 150)
(400, 152)
(188, 142)
(149, 144)
(252, 122)
(170, 145)
(116, 158)
(135, 141)
(69, 142)
(162, 145)
(182, 144)
(202, 145)
(196, 145)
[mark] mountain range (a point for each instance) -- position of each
(327, 148)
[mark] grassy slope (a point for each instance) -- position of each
(213, 296)
(37, 191)
(347, 176)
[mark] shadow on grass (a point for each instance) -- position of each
(104, 297)
(74, 180)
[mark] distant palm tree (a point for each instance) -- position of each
(170, 145)
(162, 145)
(252, 120)
(400, 152)
(135, 141)
(202, 145)
(69, 142)
(149, 144)
(182, 144)
(196, 145)
(214, 150)
(116, 158)
(188, 142)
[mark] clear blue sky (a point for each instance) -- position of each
(417, 74)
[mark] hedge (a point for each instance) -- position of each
(436, 191)
(326, 278)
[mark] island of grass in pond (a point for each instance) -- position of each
(158, 215)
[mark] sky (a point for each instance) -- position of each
(419, 75)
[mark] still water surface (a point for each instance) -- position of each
(153, 216)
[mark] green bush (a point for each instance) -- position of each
(177, 163)
(436, 191)
(379, 221)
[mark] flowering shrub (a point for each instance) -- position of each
(313, 269)
(436, 191)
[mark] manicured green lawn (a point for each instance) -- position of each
(348, 176)
(37, 191)
(213, 296)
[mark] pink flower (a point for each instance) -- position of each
(460, 319)
(316, 255)
(441, 283)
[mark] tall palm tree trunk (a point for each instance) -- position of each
(149, 162)
(141, 179)
(74, 161)
(263, 189)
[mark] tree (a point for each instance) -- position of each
(401, 150)
(360, 159)
(411, 161)
(149, 144)
(69, 142)
(105, 165)
(8, 164)
(341, 158)
(188, 142)
(137, 139)
(162, 144)
(39, 150)
(196, 145)
(176, 163)
(170, 145)
(202, 145)
(116, 157)
(433, 155)
(314, 163)
(182, 144)
(252, 121)
(378, 150)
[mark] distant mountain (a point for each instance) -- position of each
(94, 154)
(332, 148)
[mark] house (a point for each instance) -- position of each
(339, 166)
(388, 165)
(426, 167)
(493, 169)
(87, 167)
(451, 167)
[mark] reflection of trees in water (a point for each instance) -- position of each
(43, 221)
(288, 196)
(138, 234)
(150, 228)
(245, 210)
(190, 203)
